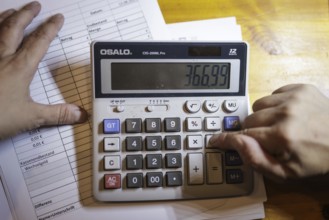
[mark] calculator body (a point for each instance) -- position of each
(155, 106)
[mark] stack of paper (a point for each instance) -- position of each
(223, 29)
(46, 173)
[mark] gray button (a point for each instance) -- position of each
(135, 180)
(173, 142)
(133, 125)
(153, 142)
(174, 178)
(134, 143)
(154, 161)
(172, 124)
(153, 125)
(154, 179)
(134, 162)
(173, 160)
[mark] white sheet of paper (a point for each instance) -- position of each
(5, 202)
(48, 170)
(221, 29)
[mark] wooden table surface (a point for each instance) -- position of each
(289, 43)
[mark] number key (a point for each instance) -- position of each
(153, 125)
(173, 160)
(134, 143)
(172, 124)
(153, 161)
(134, 162)
(134, 125)
(173, 142)
(135, 180)
(153, 142)
(154, 179)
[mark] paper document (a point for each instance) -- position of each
(222, 29)
(48, 170)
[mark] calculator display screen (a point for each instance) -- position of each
(170, 76)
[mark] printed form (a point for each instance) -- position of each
(48, 170)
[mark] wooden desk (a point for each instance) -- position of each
(289, 43)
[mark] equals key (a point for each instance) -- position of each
(214, 168)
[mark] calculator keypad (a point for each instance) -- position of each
(169, 152)
(199, 164)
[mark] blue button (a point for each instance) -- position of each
(111, 126)
(232, 123)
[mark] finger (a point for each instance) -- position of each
(262, 118)
(269, 140)
(253, 154)
(37, 43)
(12, 28)
(6, 14)
(59, 114)
(269, 101)
(283, 94)
(287, 88)
(263, 135)
(221, 141)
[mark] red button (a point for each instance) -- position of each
(112, 181)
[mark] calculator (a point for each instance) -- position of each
(155, 106)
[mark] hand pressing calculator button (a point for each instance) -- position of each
(154, 113)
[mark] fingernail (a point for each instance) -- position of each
(8, 12)
(58, 16)
(212, 141)
(35, 7)
(80, 114)
(213, 138)
(33, 4)
(58, 20)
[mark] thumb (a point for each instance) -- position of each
(60, 114)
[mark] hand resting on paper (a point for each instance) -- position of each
(287, 136)
(19, 59)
